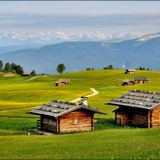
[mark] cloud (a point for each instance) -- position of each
(33, 21)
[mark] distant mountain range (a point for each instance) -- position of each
(132, 53)
(46, 38)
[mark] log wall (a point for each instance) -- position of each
(48, 124)
(121, 119)
(133, 117)
(76, 121)
(155, 117)
(139, 119)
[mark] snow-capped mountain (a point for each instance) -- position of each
(150, 36)
(45, 38)
(79, 55)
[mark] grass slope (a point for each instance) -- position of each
(19, 95)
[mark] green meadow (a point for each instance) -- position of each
(19, 95)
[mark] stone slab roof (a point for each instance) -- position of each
(138, 99)
(67, 81)
(57, 108)
(131, 70)
(141, 78)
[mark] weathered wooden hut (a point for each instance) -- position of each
(60, 117)
(129, 71)
(141, 80)
(62, 82)
(138, 109)
(128, 83)
(26, 73)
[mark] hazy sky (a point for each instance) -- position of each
(80, 16)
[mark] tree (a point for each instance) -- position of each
(7, 67)
(19, 70)
(33, 73)
(87, 69)
(14, 66)
(61, 68)
(109, 67)
(1, 66)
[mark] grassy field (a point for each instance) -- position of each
(18, 95)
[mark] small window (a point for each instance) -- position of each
(118, 121)
(75, 121)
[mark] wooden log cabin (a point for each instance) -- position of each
(61, 117)
(128, 83)
(129, 71)
(62, 82)
(138, 109)
(141, 80)
(27, 74)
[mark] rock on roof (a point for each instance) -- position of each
(57, 108)
(138, 99)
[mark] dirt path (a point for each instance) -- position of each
(32, 78)
(95, 92)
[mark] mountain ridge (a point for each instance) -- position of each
(44, 38)
(78, 55)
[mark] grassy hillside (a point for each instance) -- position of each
(19, 95)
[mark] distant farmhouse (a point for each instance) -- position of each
(26, 73)
(62, 82)
(60, 117)
(138, 109)
(128, 83)
(141, 80)
(129, 71)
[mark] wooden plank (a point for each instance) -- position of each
(76, 121)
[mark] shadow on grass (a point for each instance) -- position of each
(103, 124)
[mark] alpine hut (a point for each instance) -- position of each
(128, 83)
(129, 71)
(141, 80)
(62, 82)
(26, 73)
(138, 108)
(60, 117)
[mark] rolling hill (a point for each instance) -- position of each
(134, 53)
(20, 95)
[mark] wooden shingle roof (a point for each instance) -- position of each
(57, 108)
(138, 99)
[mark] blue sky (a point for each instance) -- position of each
(80, 16)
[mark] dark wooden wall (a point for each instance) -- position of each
(132, 117)
(139, 118)
(49, 124)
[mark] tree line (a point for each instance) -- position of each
(14, 68)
